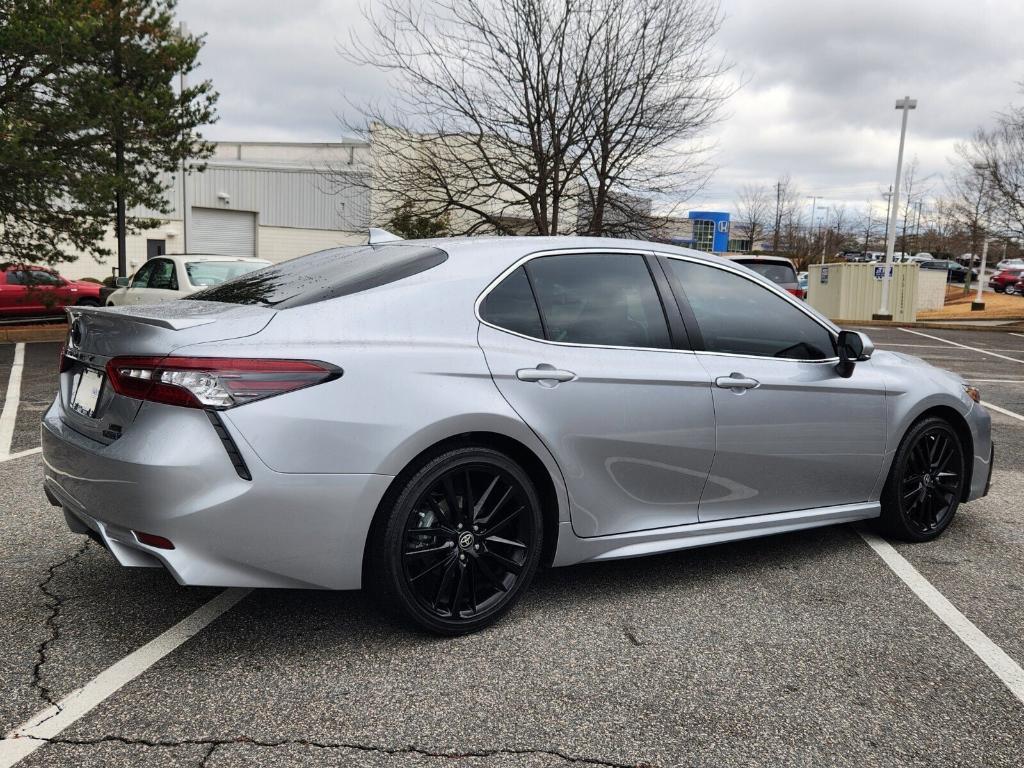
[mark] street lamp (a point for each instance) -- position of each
(906, 104)
(821, 233)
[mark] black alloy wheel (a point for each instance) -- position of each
(463, 541)
(926, 482)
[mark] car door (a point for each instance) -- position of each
(13, 293)
(161, 283)
(580, 346)
(139, 285)
(791, 433)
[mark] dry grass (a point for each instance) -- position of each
(998, 306)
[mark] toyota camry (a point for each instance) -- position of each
(436, 419)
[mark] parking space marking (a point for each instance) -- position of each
(1020, 335)
(19, 454)
(47, 724)
(1003, 411)
(964, 346)
(1005, 668)
(9, 414)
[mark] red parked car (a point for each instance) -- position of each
(1015, 288)
(27, 290)
(1006, 279)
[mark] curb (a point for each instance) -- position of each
(32, 333)
(1013, 324)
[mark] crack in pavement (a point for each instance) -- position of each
(53, 604)
(216, 743)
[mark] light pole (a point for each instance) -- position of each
(906, 104)
(821, 232)
(978, 304)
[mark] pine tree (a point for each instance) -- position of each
(89, 102)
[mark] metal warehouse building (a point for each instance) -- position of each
(265, 199)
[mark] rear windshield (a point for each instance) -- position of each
(325, 275)
(777, 273)
(208, 273)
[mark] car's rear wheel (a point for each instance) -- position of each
(925, 483)
(461, 541)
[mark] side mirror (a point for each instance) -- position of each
(122, 282)
(853, 347)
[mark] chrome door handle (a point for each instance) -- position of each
(544, 372)
(736, 381)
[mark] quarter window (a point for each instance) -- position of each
(606, 299)
(737, 316)
(511, 306)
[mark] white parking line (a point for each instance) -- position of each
(32, 734)
(9, 414)
(964, 346)
(1021, 335)
(1005, 668)
(19, 454)
(1004, 411)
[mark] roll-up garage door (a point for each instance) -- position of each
(223, 233)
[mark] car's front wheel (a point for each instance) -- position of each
(1010, 289)
(460, 543)
(925, 483)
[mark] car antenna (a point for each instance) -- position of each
(378, 236)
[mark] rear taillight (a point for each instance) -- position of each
(212, 382)
(798, 292)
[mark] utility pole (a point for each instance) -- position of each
(906, 104)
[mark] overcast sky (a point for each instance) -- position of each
(819, 82)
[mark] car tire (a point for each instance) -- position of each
(88, 303)
(459, 542)
(1009, 290)
(1000, 289)
(925, 483)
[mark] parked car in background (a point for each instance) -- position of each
(1015, 288)
(1010, 264)
(173, 277)
(27, 290)
(802, 280)
(778, 269)
(1005, 278)
(955, 273)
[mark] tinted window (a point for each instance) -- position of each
(606, 299)
(738, 316)
(325, 275)
(39, 277)
(777, 273)
(16, 277)
(510, 305)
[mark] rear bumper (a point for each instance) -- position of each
(170, 475)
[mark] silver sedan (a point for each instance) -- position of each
(435, 419)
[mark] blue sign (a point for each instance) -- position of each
(720, 221)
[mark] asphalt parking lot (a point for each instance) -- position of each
(802, 649)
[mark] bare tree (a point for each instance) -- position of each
(913, 190)
(541, 116)
(869, 225)
(971, 199)
(1000, 151)
(786, 196)
(753, 210)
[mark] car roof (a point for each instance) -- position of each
(211, 257)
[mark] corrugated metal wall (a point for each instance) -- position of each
(283, 197)
(853, 293)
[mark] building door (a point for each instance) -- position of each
(155, 248)
(223, 233)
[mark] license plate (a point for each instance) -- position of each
(87, 392)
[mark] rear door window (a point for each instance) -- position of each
(325, 275)
(777, 273)
(606, 299)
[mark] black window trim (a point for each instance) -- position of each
(667, 301)
(693, 328)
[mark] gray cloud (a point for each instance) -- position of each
(818, 82)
